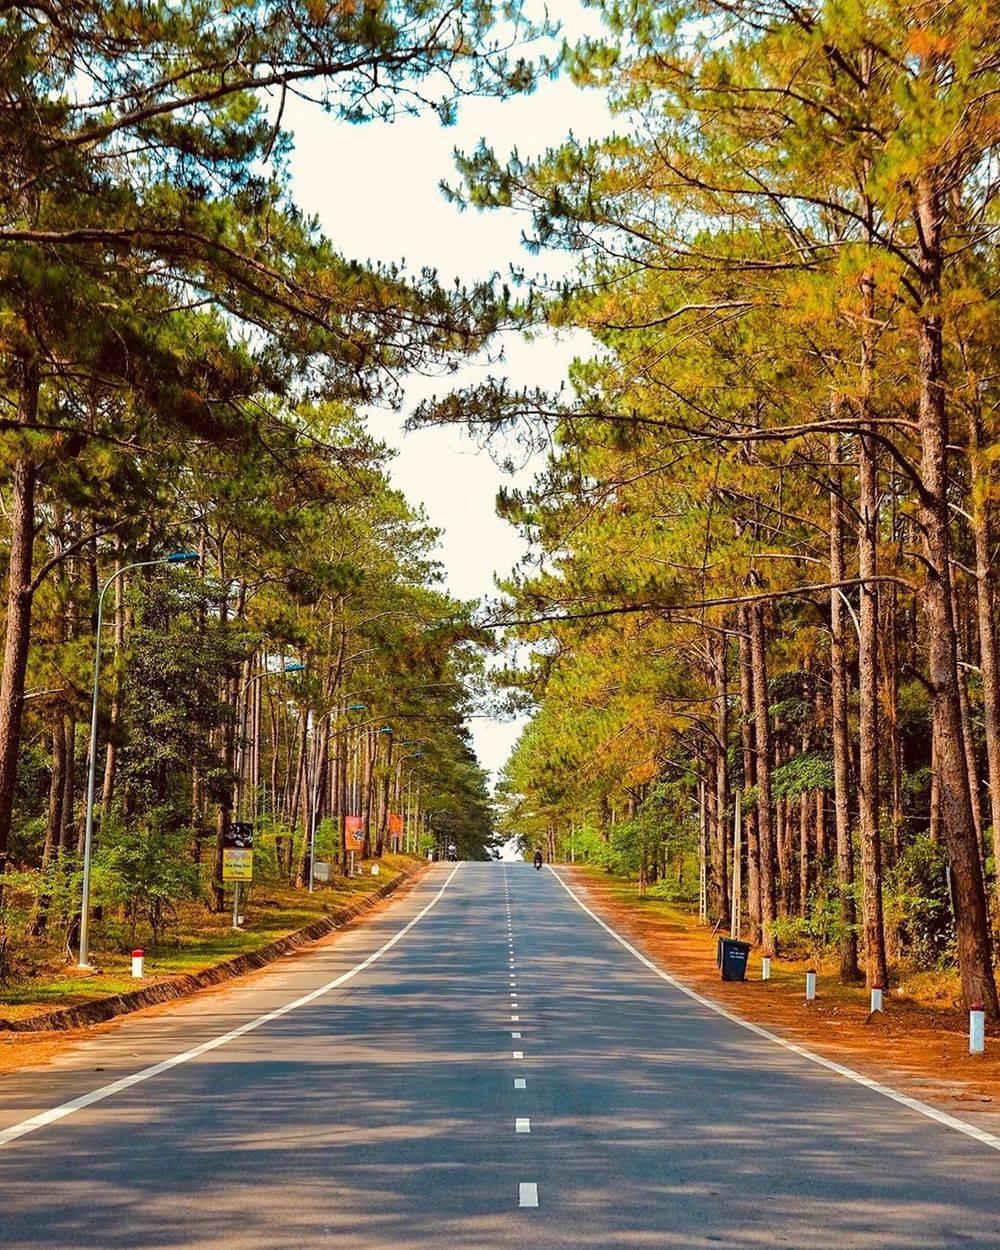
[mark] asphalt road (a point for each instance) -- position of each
(385, 1110)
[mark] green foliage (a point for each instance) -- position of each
(918, 906)
(142, 871)
(801, 774)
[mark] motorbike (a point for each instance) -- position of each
(538, 861)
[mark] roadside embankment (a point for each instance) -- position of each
(203, 951)
(914, 1045)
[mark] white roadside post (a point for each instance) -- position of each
(876, 998)
(137, 964)
(977, 1029)
(765, 968)
(810, 986)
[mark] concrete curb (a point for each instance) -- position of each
(166, 991)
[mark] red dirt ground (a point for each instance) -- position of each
(920, 1049)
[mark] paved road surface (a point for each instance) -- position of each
(385, 1111)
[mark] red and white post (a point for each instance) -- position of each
(977, 1029)
(137, 964)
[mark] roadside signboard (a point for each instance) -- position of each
(354, 833)
(395, 829)
(237, 852)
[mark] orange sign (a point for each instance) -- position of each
(354, 833)
(395, 826)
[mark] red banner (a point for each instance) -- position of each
(395, 828)
(354, 833)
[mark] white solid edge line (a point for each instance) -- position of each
(45, 1118)
(876, 1087)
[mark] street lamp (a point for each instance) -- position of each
(176, 557)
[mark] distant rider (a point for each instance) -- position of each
(538, 859)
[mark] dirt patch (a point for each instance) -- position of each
(921, 1049)
(31, 1047)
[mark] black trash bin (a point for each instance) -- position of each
(732, 959)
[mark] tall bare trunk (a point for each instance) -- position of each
(869, 836)
(720, 851)
(972, 927)
(840, 732)
(762, 738)
(749, 779)
(982, 531)
(21, 513)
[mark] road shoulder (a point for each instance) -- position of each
(922, 1054)
(20, 1050)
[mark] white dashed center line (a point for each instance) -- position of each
(527, 1194)
(518, 1054)
(522, 1125)
(520, 1082)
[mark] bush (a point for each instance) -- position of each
(918, 907)
(143, 871)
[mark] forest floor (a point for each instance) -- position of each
(919, 1044)
(196, 939)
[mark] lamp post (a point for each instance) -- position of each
(177, 557)
(413, 755)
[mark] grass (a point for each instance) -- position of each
(199, 939)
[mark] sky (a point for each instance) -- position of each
(376, 191)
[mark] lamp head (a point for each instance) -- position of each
(183, 557)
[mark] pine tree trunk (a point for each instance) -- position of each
(762, 739)
(21, 518)
(968, 742)
(982, 530)
(848, 943)
(805, 816)
(975, 957)
(869, 836)
(53, 823)
(749, 779)
(712, 840)
(890, 674)
(784, 842)
(70, 833)
(111, 750)
(720, 679)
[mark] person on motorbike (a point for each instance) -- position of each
(538, 859)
